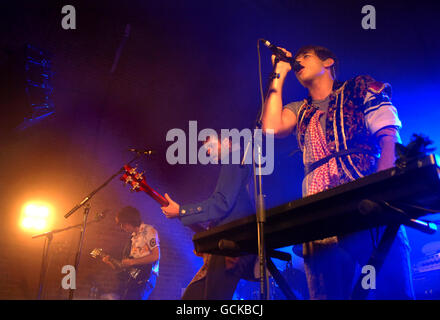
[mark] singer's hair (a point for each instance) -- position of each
(322, 53)
(129, 215)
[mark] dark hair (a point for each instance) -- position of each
(322, 53)
(129, 215)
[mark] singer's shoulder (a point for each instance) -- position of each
(294, 106)
(368, 83)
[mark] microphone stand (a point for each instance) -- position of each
(259, 196)
(44, 264)
(85, 203)
(44, 261)
(80, 245)
(91, 194)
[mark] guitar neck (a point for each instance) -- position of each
(155, 195)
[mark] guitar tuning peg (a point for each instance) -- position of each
(139, 176)
(135, 186)
(133, 170)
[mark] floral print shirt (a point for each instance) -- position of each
(143, 242)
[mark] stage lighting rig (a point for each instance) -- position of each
(38, 85)
(25, 87)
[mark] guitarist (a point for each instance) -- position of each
(142, 253)
(217, 279)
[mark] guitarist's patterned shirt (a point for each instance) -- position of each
(143, 242)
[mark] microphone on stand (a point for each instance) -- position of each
(142, 151)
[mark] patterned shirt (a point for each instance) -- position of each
(379, 112)
(143, 242)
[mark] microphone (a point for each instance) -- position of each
(297, 66)
(280, 54)
(142, 151)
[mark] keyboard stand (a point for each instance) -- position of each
(279, 279)
(379, 253)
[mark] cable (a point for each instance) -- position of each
(417, 208)
(259, 73)
(422, 208)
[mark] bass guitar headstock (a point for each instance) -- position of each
(133, 178)
(138, 183)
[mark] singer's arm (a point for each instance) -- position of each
(274, 117)
(388, 137)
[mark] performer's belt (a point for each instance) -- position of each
(309, 167)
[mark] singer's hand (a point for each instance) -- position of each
(173, 208)
(282, 67)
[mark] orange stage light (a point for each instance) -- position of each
(36, 216)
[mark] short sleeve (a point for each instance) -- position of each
(152, 238)
(144, 242)
(380, 112)
(294, 106)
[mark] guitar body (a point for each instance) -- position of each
(132, 280)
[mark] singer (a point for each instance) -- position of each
(341, 128)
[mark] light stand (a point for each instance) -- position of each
(44, 263)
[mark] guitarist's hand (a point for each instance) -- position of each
(106, 260)
(172, 210)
